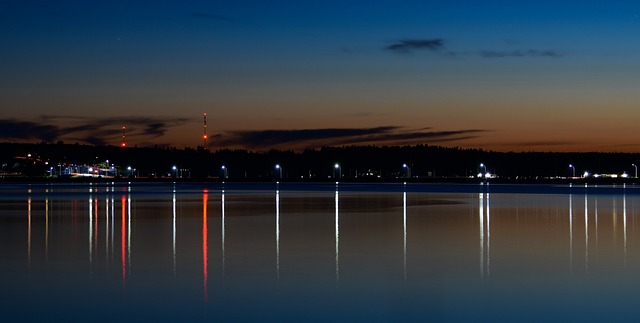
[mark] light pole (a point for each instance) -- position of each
(279, 169)
(408, 170)
(129, 170)
(485, 169)
(636, 167)
(339, 169)
(224, 171)
(573, 169)
(175, 171)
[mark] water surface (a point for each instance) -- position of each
(318, 252)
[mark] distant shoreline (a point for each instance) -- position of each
(551, 181)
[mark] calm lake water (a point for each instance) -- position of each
(318, 252)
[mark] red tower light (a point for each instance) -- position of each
(124, 136)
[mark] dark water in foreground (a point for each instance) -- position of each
(318, 252)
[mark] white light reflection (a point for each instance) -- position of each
(488, 235)
(46, 234)
(404, 220)
(570, 230)
(91, 228)
(107, 229)
(596, 216)
(174, 229)
(481, 219)
(485, 232)
(113, 205)
(223, 238)
(615, 220)
(624, 222)
(277, 234)
(29, 229)
(337, 236)
(586, 231)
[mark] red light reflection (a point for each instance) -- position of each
(205, 258)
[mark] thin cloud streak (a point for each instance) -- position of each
(430, 136)
(519, 53)
(410, 45)
(436, 44)
(312, 138)
(262, 138)
(97, 131)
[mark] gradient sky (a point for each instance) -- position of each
(501, 75)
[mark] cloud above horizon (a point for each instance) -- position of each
(519, 53)
(407, 46)
(96, 131)
(311, 138)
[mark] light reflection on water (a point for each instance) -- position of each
(402, 254)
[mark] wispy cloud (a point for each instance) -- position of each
(519, 53)
(410, 45)
(14, 129)
(98, 131)
(266, 138)
(437, 45)
(310, 138)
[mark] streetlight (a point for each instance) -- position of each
(129, 170)
(485, 169)
(408, 170)
(573, 169)
(339, 169)
(279, 169)
(636, 167)
(224, 171)
(175, 171)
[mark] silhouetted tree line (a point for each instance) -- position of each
(423, 161)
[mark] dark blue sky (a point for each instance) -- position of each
(500, 74)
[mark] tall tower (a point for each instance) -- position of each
(204, 131)
(124, 136)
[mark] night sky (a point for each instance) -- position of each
(500, 75)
